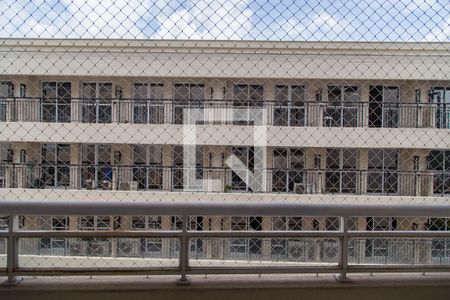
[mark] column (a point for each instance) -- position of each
(269, 89)
(363, 167)
(364, 105)
(168, 96)
(266, 243)
(165, 248)
(21, 174)
(75, 172)
(167, 164)
(76, 102)
(315, 177)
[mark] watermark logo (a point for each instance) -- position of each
(253, 175)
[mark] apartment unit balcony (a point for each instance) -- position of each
(219, 180)
(225, 112)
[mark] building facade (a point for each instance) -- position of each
(342, 124)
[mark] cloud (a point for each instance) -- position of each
(322, 26)
(382, 20)
(441, 33)
(207, 19)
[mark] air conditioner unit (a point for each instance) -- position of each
(128, 185)
(78, 248)
(296, 249)
(106, 184)
(299, 188)
(329, 250)
(128, 248)
(100, 248)
(89, 184)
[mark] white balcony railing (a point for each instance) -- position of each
(226, 112)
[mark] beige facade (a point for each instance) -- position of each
(342, 125)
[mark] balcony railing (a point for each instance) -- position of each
(222, 238)
(226, 112)
(173, 178)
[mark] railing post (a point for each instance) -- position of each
(12, 256)
(343, 252)
(184, 253)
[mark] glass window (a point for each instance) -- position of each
(189, 91)
(6, 89)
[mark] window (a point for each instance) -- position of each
(146, 222)
(179, 170)
(6, 91)
(440, 248)
(248, 94)
(384, 106)
(285, 247)
(96, 102)
(5, 157)
(341, 175)
(290, 109)
(378, 249)
(245, 248)
(55, 168)
(383, 171)
(194, 223)
(56, 101)
(245, 98)
(54, 245)
(441, 96)
(246, 156)
(96, 170)
(148, 103)
(95, 223)
(439, 163)
(4, 223)
(189, 91)
(287, 173)
(187, 95)
(22, 90)
(332, 223)
(342, 107)
(147, 167)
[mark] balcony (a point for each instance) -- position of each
(225, 112)
(220, 238)
(219, 180)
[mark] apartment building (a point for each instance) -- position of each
(342, 122)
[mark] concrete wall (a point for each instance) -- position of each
(425, 61)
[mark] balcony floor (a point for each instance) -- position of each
(362, 286)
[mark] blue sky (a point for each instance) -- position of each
(338, 20)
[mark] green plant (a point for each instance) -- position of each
(227, 188)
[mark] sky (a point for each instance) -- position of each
(287, 20)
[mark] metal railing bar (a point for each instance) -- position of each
(98, 233)
(264, 270)
(397, 268)
(100, 208)
(97, 271)
(228, 234)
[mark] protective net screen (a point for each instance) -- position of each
(249, 101)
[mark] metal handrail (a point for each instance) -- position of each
(342, 234)
(217, 208)
(122, 110)
(170, 177)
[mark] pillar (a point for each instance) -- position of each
(75, 162)
(167, 166)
